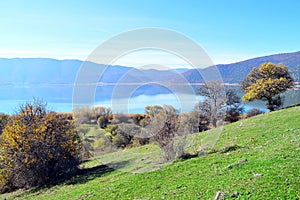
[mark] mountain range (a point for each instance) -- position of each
(23, 78)
(236, 72)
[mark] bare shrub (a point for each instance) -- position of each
(253, 112)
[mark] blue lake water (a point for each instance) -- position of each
(133, 105)
(60, 99)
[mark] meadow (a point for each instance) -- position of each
(255, 158)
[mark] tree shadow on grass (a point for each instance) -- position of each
(82, 176)
(88, 174)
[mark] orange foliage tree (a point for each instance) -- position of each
(267, 83)
(37, 147)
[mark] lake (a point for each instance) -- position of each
(60, 99)
(133, 105)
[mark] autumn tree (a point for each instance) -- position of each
(84, 114)
(37, 147)
(164, 126)
(90, 115)
(153, 110)
(267, 83)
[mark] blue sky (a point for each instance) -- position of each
(229, 31)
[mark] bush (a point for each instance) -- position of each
(119, 138)
(87, 141)
(233, 114)
(90, 115)
(253, 112)
(165, 129)
(3, 121)
(194, 122)
(102, 121)
(37, 148)
(103, 145)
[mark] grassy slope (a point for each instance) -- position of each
(270, 143)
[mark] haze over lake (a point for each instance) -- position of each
(53, 80)
(135, 104)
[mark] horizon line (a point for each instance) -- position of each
(82, 60)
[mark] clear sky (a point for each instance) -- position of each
(229, 30)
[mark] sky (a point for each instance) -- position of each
(229, 31)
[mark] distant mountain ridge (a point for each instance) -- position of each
(38, 70)
(52, 80)
(235, 72)
(51, 71)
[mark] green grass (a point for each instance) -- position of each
(268, 145)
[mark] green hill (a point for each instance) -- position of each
(256, 158)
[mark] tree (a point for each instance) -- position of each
(234, 107)
(215, 102)
(83, 114)
(196, 121)
(220, 104)
(90, 115)
(103, 115)
(164, 127)
(153, 110)
(267, 83)
(37, 147)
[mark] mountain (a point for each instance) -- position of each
(38, 70)
(235, 72)
(53, 80)
(22, 71)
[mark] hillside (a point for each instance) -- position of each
(235, 72)
(256, 158)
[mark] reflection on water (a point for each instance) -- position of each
(60, 100)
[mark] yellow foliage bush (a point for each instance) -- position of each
(37, 148)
